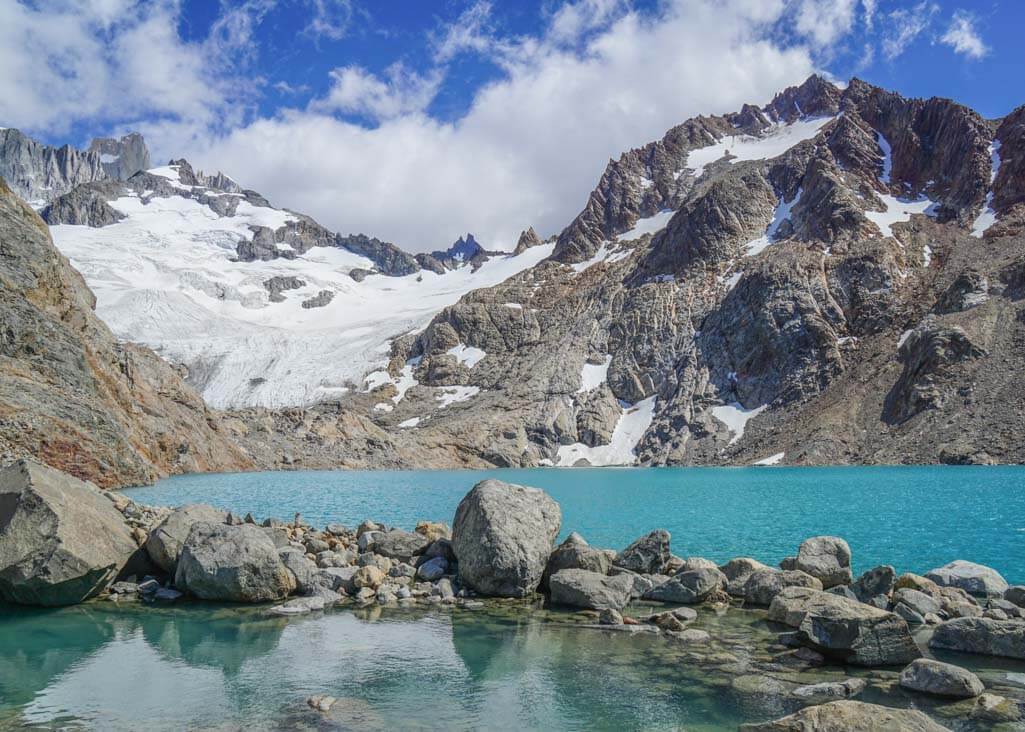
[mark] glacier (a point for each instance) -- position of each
(168, 276)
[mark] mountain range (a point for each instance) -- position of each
(835, 277)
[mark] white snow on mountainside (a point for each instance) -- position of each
(167, 276)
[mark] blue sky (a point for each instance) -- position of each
(418, 120)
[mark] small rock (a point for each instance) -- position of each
(368, 577)
(940, 679)
(609, 616)
(432, 569)
(829, 691)
(166, 594)
(647, 555)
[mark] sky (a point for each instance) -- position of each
(417, 121)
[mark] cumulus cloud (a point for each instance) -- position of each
(962, 36)
(67, 61)
(824, 21)
(354, 90)
(533, 142)
(365, 155)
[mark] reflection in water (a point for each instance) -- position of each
(194, 666)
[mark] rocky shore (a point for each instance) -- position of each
(63, 541)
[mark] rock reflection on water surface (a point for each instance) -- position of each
(508, 666)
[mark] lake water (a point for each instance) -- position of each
(915, 518)
(196, 666)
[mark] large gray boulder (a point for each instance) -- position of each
(232, 564)
(849, 716)
(164, 543)
(982, 635)
(940, 679)
(763, 585)
(689, 587)
(647, 555)
(502, 536)
(975, 579)
(582, 588)
(845, 629)
(61, 540)
(827, 559)
(398, 544)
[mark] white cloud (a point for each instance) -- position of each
(66, 61)
(354, 90)
(962, 36)
(823, 22)
(904, 25)
(471, 31)
(599, 79)
(869, 10)
(533, 142)
(330, 19)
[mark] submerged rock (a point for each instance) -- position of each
(164, 543)
(849, 716)
(940, 679)
(61, 541)
(232, 564)
(502, 536)
(828, 691)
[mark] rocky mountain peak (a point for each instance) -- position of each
(122, 158)
(816, 97)
(528, 238)
(38, 173)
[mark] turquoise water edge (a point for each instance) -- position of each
(196, 666)
(914, 518)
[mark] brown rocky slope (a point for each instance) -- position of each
(70, 394)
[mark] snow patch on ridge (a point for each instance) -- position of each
(736, 417)
(987, 217)
(781, 214)
(776, 141)
(594, 375)
(649, 225)
(629, 430)
(899, 210)
(451, 394)
(771, 460)
(469, 356)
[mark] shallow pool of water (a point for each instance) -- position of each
(196, 667)
(915, 518)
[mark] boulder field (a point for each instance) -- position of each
(64, 541)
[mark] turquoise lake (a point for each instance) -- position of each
(197, 666)
(915, 518)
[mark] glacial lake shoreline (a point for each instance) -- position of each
(914, 517)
